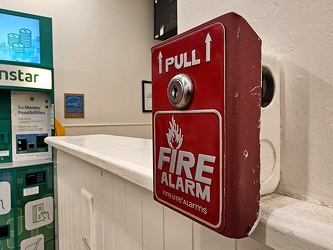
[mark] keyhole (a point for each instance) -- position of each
(180, 91)
(174, 93)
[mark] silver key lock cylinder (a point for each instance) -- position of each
(180, 91)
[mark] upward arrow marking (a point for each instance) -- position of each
(160, 62)
(208, 41)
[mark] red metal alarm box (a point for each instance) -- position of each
(206, 86)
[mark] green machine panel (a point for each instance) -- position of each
(28, 221)
(26, 118)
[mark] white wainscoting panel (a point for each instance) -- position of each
(125, 215)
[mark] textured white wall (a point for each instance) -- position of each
(102, 50)
(299, 35)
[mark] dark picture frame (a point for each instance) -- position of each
(146, 96)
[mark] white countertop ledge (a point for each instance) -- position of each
(285, 222)
(126, 157)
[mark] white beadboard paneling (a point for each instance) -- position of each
(67, 229)
(119, 214)
(205, 238)
(68, 210)
(108, 225)
(60, 194)
(177, 231)
(73, 202)
(73, 174)
(91, 180)
(133, 218)
(152, 213)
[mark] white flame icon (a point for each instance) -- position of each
(174, 135)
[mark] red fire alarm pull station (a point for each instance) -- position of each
(206, 121)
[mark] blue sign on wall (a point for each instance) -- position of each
(74, 106)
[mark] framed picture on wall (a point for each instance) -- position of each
(146, 96)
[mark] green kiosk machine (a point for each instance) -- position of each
(26, 118)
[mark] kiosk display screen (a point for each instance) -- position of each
(19, 39)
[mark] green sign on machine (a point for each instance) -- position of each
(26, 119)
